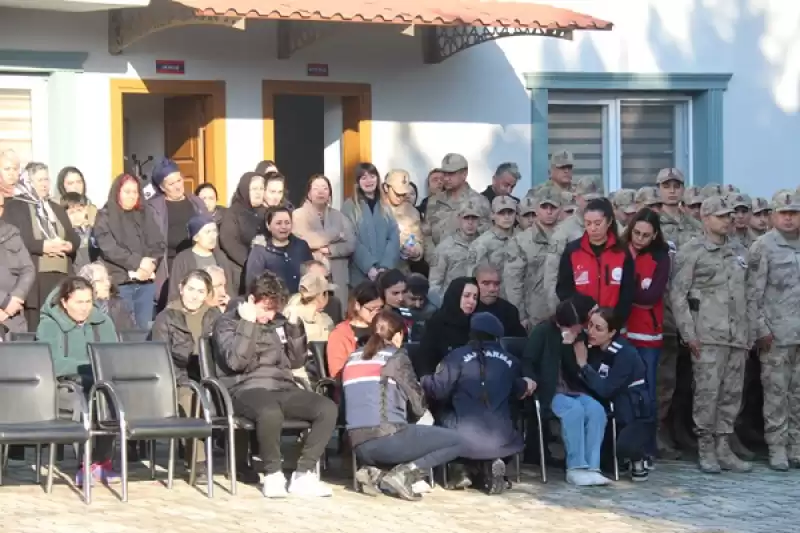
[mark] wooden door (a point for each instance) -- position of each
(184, 129)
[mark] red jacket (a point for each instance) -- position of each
(646, 323)
(608, 277)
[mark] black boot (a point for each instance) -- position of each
(398, 481)
(457, 477)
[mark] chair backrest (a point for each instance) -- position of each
(27, 383)
(514, 345)
(133, 335)
(141, 373)
(205, 356)
(317, 366)
(21, 336)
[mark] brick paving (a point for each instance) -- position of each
(676, 499)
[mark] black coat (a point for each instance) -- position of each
(507, 314)
(170, 328)
(283, 262)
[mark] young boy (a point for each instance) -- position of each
(77, 207)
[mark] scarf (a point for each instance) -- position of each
(46, 220)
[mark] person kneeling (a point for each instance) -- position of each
(257, 348)
(378, 382)
(614, 371)
(477, 383)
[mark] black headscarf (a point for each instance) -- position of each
(241, 198)
(249, 219)
(451, 312)
(133, 230)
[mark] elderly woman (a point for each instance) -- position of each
(47, 234)
(204, 252)
(327, 231)
(106, 297)
(17, 275)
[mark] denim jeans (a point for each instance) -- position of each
(425, 446)
(583, 426)
(141, 299)
(650, 357)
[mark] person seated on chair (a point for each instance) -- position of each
(490, 301)
(365, 302)
(70, 320)
(257, 348)
(106, 296)
(181, 326)
(549, 359)
(476, 385)
(613, 371)
(378, 382)
(419, 304)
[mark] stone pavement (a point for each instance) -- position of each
(675, 499)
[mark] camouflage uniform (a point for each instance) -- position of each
(708, 299)
(624, 200)
(492, 247)
(773, 299)
(450, 258)
(523, 274)
(759, 205)
(562, 158)
(741, 200)
(441, 217)
(525, 206)
(647, 196)
(405, 214)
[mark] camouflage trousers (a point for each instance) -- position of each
(666, 379)
(780, 378)
(718, 381)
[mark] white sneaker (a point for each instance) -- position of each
(421, 487)
(274, 485)
(579, 477)
(598, 478)
(308, 484)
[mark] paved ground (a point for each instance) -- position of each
(676, 499)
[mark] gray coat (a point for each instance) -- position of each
(186, 261)
(17, 274)
(377, 239)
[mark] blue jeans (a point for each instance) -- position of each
(583, 426)
(650, 357)
(140, 297)
(425, 446)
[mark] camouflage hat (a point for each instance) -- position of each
(527, 205)
(785, 200)
(624, 200)
(667, 174)
(692, 196)
(712, 189)
(588, 188)
(717, 206)
(503, 202)
(567, 199)
(453, 163)
(729, 189)
(760, 205)
(399, 181)
(469, 209)
(648, 195)
(549, 195)
(740, 200)
(312, 284)
(562, 158)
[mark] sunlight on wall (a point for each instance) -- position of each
(780, 44)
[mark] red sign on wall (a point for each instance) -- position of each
(170, 66)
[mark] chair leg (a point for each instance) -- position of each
(518, 467)
(432, 477)
(171, 463)
(39, 463)
(614, 447)
(210, 465)
(87, 471)
(192, 469)
(123, 452)
(542, 461)
(444, 475)
(3, 461)
(151, 452)
(231, 441)
(354, 462)
(51, 460)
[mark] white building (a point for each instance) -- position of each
(709, 86)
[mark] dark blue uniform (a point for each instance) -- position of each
(475, 391)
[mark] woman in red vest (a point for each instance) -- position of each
(645, 324)
(598, 264)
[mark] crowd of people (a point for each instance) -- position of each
(414, 300)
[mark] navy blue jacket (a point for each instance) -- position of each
(617, 374)
(477, 402)
(283, 262)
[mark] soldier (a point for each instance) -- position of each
(649, 196)
(526, 214)
(568, 205)
(691, 202)
(709, 301)
(760, 220)
(712, 189)
(441, 217)
(492, 247)
(678, 228)
(523, 274)
(561, 165)
(624, 203)
(450, 259)
(773, 298)
(740, 229)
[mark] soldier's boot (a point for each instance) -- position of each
(778, 459)
(794, 456)
(729, 460)
(664, 446)
(740, 449)
(707, 455)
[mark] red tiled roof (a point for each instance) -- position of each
(441, 12)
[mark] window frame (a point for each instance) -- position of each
(40, 136)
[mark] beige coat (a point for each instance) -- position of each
(408, 223)
(335, 231)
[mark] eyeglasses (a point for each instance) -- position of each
(372, 310)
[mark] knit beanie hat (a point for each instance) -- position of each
(161, 170)
(487, 323)
(197, 222)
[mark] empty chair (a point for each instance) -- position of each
(133, 335)
(29, 408)
(137, 399)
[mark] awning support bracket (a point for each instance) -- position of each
(294, 35)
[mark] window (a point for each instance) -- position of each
(23, 117)
(622, 141)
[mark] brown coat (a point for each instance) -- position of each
(336, 232)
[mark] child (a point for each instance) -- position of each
(77, 207)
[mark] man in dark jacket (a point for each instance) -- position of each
(490, 302)
(256, 349)
(503, 182)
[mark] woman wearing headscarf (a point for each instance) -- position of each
(242, 222)
(448, 328)
(70, 179)
(47, 234)
(131, 246)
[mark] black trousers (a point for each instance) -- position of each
(268, 409)
(632, 440)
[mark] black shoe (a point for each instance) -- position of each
(369, 479)
(247, 475)
(398, 481)
(200, 473)
(457, 477)
(496, 477)
(638, 471)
